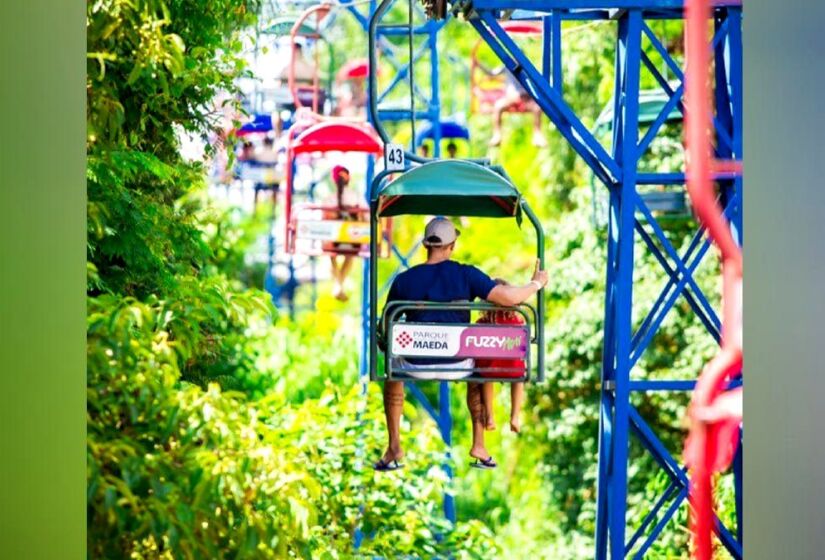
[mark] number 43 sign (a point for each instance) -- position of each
(394, 157)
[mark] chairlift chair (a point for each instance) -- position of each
(670, 202)
(452, 188)
(309, 228)
(350, 74)
(486, 90)
(314, 96)
(306, 27)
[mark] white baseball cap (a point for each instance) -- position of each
(440, 232)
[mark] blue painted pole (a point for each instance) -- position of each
(363, 372)
(435, 96)
(737, 487)
(551, 68)
(547, 48)
(270, 282)
(732, 54)
(728, 64)
(445, 425)
(555, 22)
(363, 369)
(445, 419)
(626, 117)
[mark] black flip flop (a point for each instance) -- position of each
(386, 466)
(486, 464)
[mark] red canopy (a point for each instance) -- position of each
(358, 68)
(337, 137)
(522, 27)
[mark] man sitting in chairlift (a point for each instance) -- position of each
(514, 94)
(304, 69)
(305, 72)
(443, 280)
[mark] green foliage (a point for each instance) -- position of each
(176, 471)
(139, 239)
(155, 63)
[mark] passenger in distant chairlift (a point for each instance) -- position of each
(452, 150)
(267, 153)
(344, 202)
(353, 102)
(247, 152)
(304, 69)
(424, 150)
(442, 280)
(305, 73)
(267, 157)
(514, 93)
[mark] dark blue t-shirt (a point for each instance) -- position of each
(447, 281)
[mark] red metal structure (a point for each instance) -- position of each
(486, 89)
(358, 68)
(309, 226)
(716, 414)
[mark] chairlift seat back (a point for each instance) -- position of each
(446, 351)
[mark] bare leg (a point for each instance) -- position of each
(336, 277)
(498, 111)
(342, 277)
(538, 138)
(346, 266)
(488, 393)
(393, 406)
(507, 101)
(476, 406)
(516, 402)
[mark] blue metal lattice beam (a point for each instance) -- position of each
(619, 171)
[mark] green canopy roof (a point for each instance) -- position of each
(450, 188)
(283, 26)
(651, 103)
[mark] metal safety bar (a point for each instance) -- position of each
(714, 444)
(390, 311)
(393, 311)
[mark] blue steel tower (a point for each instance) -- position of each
(619, 170)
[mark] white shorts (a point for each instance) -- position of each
(435, 371)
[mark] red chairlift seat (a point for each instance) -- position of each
(323, 229)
